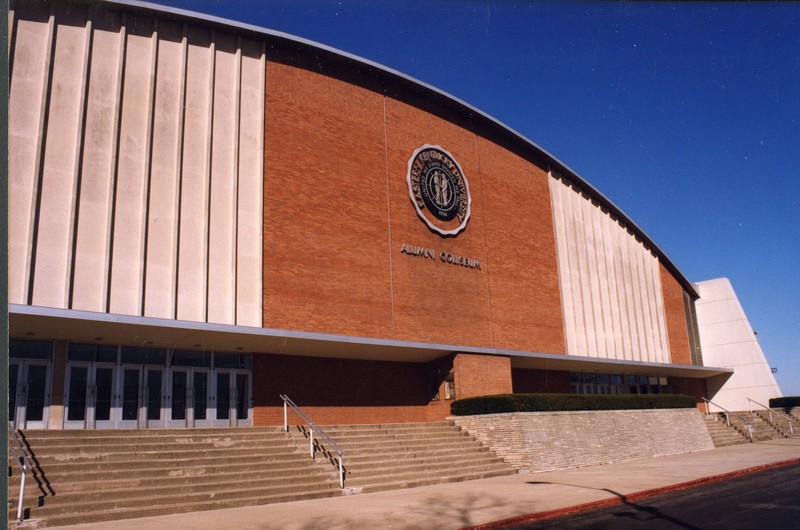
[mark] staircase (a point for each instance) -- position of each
(780, 423)
(91, 476)
(393, 456)
(105, 475)
(762, 429)
(721, 434)
(737, 433)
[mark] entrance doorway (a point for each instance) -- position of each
(138, 388)
(29, 375)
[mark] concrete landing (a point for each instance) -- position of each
(486, 501)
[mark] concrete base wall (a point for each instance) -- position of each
(544, 441)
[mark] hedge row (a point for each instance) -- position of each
(785, 402)
(560, 402)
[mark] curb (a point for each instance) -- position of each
(639, 495)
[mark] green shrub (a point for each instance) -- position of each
(785, 402)
(561, 402)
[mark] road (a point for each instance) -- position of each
(766, 500)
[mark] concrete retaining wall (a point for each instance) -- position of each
(543, 441)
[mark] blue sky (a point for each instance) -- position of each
(685, 115)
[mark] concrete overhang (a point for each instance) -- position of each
(44, 323)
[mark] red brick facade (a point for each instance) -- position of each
(481, 375)
(337, 213)
(337, 209)
(528, 381)
(675, 314)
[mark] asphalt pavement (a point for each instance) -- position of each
(500, 502)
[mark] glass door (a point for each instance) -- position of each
(29, 393)
(200, 413)
(130, 397)
(154, 413)
(177, 398)
(222, 398)
(105, 408)
(232, 401)
(77, 396)
(242, 399)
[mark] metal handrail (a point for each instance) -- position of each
(23, 462)
(728, 420)
(791, 430)
(312, 427)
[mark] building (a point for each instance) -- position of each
(204, 215)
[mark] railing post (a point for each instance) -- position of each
(21, 488)
(285, 417)
(341, 473)
(727, 419)
(311, 441)
(750, 431)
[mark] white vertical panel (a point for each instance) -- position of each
(132, 170)
(582, 227)
(162, 224)
(623, 290)
(26, 104)
(603, 276)
(574, 243)
(636, 300)
(222, 203)
(610, 228)
(590, 214)
(53, 244)
(251, 180)
(93, 234)
(563, 260)
(193, 234)
(659, 316)
(610, 282)
(650, 330)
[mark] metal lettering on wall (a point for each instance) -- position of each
(445, 257)
(438, 190)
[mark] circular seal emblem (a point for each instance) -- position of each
(439, 190)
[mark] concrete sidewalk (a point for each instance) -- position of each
(484, 502)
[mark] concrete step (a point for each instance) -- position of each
(411, 473)
(110, 495)
(111, 479)
(159, 446)
(231, 454)
(148, 433)
(428, 481)
(402, 455)
(386, 431)
(386, 461)
(115, 514)
(116, 441)
(440, 445)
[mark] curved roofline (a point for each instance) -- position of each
(462, 107)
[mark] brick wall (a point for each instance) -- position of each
(345, 391)
(542, 441)
(337, 212)
(675, 313)
(535, 381)
(481, 375)
(691, 387)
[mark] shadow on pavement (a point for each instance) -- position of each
(639, 512)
